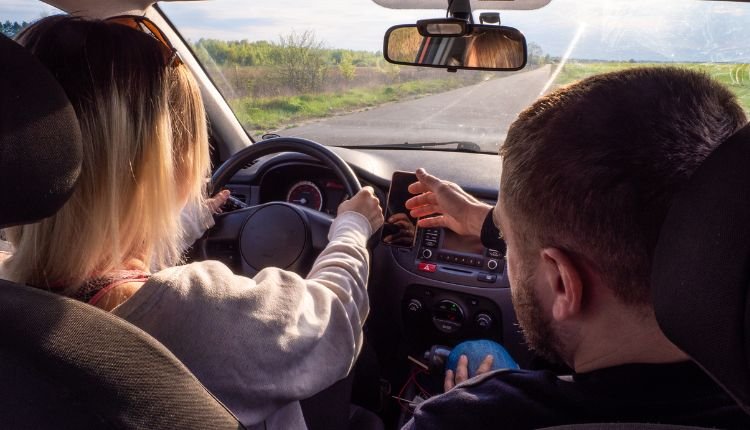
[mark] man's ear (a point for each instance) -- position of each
(565, 283)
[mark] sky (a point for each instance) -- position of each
(659, 30)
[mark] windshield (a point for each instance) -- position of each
(316, 69)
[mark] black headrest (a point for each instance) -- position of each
(701, 271)
(40, 140)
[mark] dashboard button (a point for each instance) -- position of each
(487, 277)
(492, 264)
(493, 253)
(427, 267)
(447, 327)
(426, 254)
(447, 316)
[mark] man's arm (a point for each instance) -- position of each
(446, 205)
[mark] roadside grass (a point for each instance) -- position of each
(265, 114)
(735, 76)
(261, 115)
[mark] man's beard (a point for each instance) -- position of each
(535, 324)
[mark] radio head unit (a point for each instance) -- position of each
(444, 255)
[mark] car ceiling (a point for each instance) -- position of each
(103, 8)
(475, 4)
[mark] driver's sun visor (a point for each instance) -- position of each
(475, 4)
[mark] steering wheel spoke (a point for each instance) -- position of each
(320, 223)
(228, 225)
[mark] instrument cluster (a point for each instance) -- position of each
(310, 185)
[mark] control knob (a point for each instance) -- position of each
(448, 316)
(492, 264)
(483, 321)
(426, 254)
(414, 306)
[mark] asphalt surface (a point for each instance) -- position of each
(479, 113)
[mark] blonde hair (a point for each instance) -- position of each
(491, 50)
(145, 153)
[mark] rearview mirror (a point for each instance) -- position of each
(476, 47)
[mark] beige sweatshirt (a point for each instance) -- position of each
(262, 344)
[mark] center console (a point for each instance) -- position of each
(434, 315)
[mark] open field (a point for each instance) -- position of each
(259, 115)
(263, 102)
(735, 76)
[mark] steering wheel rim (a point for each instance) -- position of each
(274, 234)
(240, 159)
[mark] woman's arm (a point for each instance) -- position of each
(259, 344)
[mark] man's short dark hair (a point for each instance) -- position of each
(591, 168)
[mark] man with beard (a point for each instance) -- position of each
(588, 173)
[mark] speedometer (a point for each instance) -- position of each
(307, 194)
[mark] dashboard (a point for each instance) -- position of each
(442, 291)
(305, 184)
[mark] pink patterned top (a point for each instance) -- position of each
(94, 289)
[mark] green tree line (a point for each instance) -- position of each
(10, 29)
(265, 53)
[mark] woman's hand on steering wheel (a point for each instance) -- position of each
(217, 201)
(365, 203)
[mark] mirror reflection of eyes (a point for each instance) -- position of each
(486, 47)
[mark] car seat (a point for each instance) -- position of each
(700, 277)
(65, 364)
(701, 272)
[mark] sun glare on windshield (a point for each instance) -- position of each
(318, 71)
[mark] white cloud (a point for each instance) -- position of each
(24, 10)
(353, 24)
(616, 29)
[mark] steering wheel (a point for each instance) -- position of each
(277, 234)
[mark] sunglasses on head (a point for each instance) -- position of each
(145, 25)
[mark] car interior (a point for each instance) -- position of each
(427, 294)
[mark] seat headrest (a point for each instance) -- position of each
(701, 272)
(40, 139)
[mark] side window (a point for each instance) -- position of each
(17, 14)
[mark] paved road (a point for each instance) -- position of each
(480, 113)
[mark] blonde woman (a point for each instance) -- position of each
(258, 344)
(492, 50)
